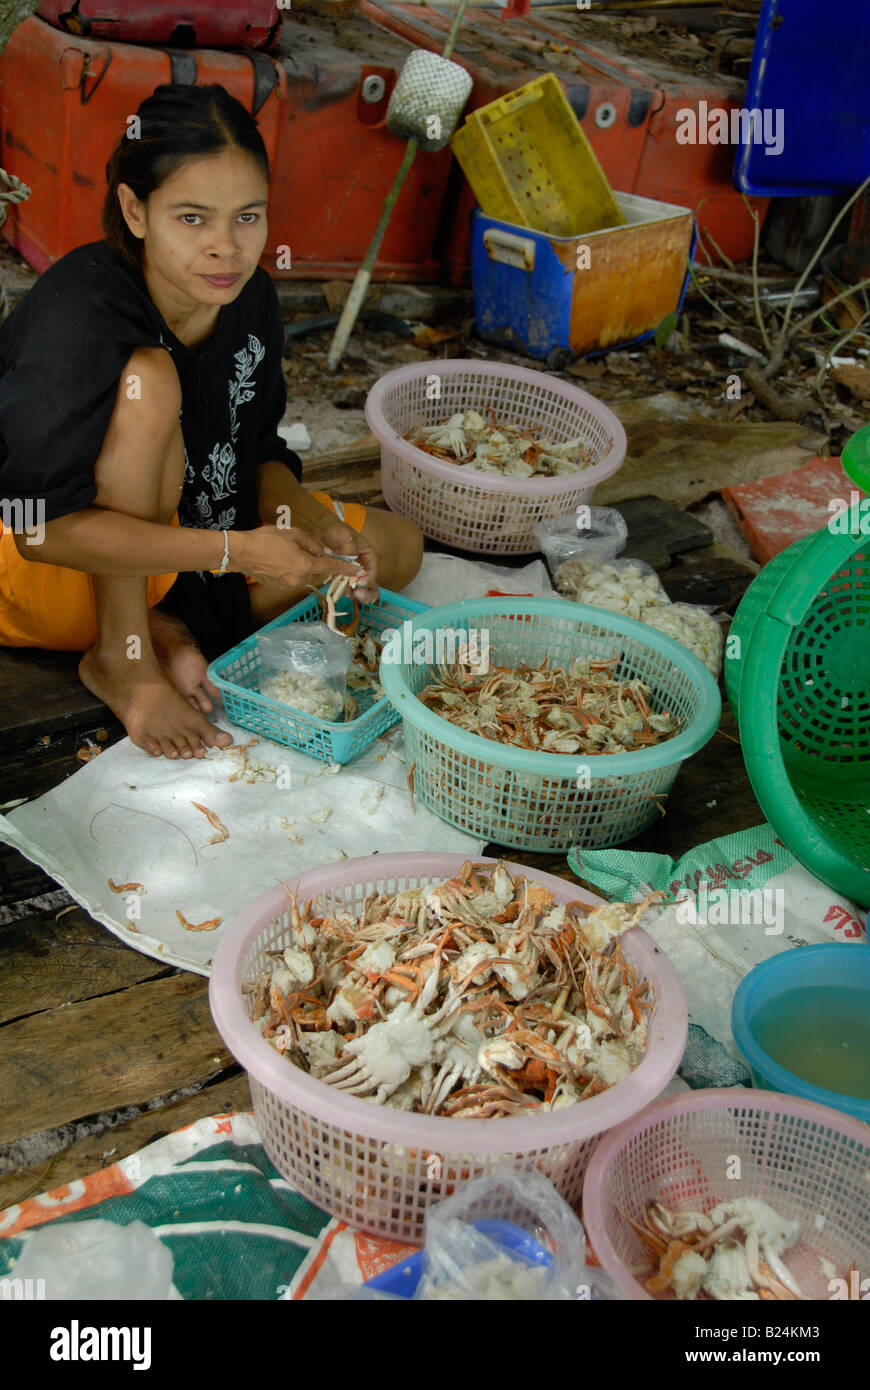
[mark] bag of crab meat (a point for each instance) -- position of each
(305, 665)
(511, 1237)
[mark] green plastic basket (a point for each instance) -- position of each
(237, 676)
(798, 679)
(546, 801)
(856, 462)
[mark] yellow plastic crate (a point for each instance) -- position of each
(529, 162)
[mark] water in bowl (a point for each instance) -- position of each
(821, 1034)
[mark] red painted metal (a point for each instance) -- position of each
(84, 90)
(336, 161)
(331, 158)
(612, 103)
(627, 108)
(185, 23)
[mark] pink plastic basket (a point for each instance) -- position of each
(807, 1161)
(484, 512)
(379, 1168)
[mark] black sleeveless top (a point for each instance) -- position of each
(62, 352)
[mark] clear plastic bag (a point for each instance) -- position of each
(508, 1237)
(694, 627)
(305, 665)
(593, 536)
(97, 1260)
(621, 586)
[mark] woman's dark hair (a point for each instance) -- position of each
(177, 123)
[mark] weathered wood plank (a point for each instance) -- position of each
(99, 1054)
(47, 963)
(85, 1156)
(42, 692)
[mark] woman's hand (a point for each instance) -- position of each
(286, 558)
(341, 539)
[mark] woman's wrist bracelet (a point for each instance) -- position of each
(226, 560)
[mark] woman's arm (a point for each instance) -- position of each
(279, 495)
(102, 542)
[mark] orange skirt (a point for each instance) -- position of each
(49, 606)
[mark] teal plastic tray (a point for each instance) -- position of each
(237, 676)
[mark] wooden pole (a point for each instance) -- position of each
(354, 301)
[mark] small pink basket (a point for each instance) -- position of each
(693, 1151)
(486, 513)
(378, 1168)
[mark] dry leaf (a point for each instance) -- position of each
(856, 379)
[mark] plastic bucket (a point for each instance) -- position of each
(832, 965)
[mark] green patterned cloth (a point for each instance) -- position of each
(236, 1229)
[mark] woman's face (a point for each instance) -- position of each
(204, 228)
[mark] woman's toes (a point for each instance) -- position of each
(201, 700)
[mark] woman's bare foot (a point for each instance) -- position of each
(181, 660)
(156, 716)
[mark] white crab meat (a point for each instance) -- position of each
(390, 1049)
(610, 1061)
(519, 979)
(576, 1042)
(376, 959)
(486, 904)
(321, 1049)
(688, 1274)
(501, 1052)
(502, 884)
(553, 920)
(727, 1276)
(289, 977)
(604, 923)
(566, 1093)
(767, 1234)
(470, 958)
(349, 1004)
(464, 1027)
(299, 964)
(754, 1214)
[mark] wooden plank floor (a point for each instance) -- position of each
(89, 1027)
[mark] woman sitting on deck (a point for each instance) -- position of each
(141, 387)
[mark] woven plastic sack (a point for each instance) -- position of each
(427, 100)
(737, 900)
(707, 1063)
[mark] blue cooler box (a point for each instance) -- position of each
(557, 298)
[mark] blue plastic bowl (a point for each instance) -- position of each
(404, 1277)
(835, 965)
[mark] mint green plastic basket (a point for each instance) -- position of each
(798, 679)
(547, 801)
(237, 676)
